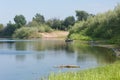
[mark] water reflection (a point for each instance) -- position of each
(100, 54)
(25, 57)
(69, 48)
(83, 51)
(39, 56)
(20, 58)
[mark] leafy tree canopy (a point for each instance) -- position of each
(1, 26)
(81, 15)
(9, 29)
(69, 21)
(39, 18)
(54, 23)
(20, 20)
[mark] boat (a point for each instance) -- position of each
(68, 40)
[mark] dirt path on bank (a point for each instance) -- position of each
(55, 34)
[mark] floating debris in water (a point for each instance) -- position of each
(67, 66)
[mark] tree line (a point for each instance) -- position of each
(23, 29)
(104, 26)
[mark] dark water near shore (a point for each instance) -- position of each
(31, 59)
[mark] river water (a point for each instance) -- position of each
(32, 59)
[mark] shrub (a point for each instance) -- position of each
(80, 37)
(26, 33)
(44, 28)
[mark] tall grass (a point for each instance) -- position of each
(109, 72)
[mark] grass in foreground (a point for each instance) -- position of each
(109, 72)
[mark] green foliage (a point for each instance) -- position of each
(20, 20)
(69, 21)
(81, 15)
(102, 26)
(44, 28)
(26, 33)
(115, 40)
(55, 23)
(39, 18)
(1, 27)
(32, 24)
(79, 36)
(37, 22)
(77, 27)
(31, 32)
(58, 24)
(9, 30)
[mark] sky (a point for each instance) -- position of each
(51, 8)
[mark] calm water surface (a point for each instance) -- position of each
(32, 59)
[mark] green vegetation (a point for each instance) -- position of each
(39, 18)
(104, 26)
(19, 30)
(1, 26)
(8, 30)
(26, 33)
(82, 15)
(20, 21)
(69, 21)
(109, 72)
(55, 24)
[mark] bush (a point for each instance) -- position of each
(80, 37)
(26, 33)
(8, 30)
(44, 28)
(41, 29)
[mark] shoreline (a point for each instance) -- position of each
(107, 72)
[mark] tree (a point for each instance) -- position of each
(81, 15)
(39, 18)
(9, 29)
(1, 27)
(32, 24)
(69, 21)
(20, 20)
(54, 23)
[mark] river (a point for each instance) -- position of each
(32, 59)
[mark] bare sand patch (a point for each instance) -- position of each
(55, 34)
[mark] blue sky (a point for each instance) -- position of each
(51, 8)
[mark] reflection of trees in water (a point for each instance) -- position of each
(49, 45)
(69, 48)
(20, 57)
(21, 45)
(85, 52)
(10, 45)
(38, 46)
(43, 45)
(39, 56)
(7, 45)
(102, 55)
